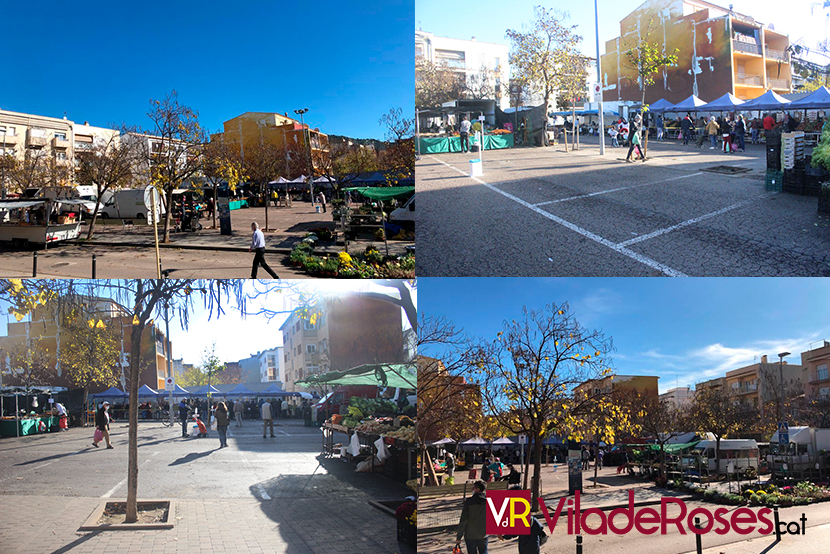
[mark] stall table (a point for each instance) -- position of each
(439, 145)
(27, 426)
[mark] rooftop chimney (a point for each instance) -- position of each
(473, 39)
(86, 122)
(764, 359)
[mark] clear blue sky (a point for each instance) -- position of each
(348, 62)
(683, 330)
(487, 20)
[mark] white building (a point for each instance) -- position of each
(271, 365)
(468, 57)
(679, 397)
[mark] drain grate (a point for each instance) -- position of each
(727, 169)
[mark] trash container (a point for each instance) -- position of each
(476, 169)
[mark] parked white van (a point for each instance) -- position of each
(743, 453)
(132, 204)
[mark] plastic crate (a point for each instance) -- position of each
(774, 181)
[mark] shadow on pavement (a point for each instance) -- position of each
(77, 542)
(192, 457)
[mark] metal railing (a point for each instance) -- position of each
(778, 83)
(752, 80)
(782, 55)
(819, 377)
(746, 47)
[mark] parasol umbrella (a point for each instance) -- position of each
(770, 100)
(690, 104)
(819, 99)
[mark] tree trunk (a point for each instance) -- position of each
(215, 204)
(132, 466)
(537, 469)
(94, 218)
(86, 403)
(168, 195)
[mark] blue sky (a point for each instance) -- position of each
(487, 20)
(348, 62)
(683, 330)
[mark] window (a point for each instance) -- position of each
(497, 63)
(60, 156)
(60, 136)
(272, 360)
(272, 375)
(321, 320)
(307, 325)
(311, 349)
(299, 374)
(7, 130)
(312, 368)
(323, 345)
(452, 58)
(297, 327)
(821, 372)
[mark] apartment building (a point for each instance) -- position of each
(641, 384)
(817, 378)
(718, 49)
(275, 129)
(444, 401)
(467, 58)
(678, 397)
(756, 384)
(47, 332)
(348, 331)
(266, 366)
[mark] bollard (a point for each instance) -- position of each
(34, 263)
(775, 516)
(698, 538)
(94, 259)
(579, 544)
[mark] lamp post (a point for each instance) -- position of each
(307, 140)
(781, 357)
(599, 84)
(3, 185)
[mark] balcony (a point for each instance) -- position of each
(10, 140)
(779, 84)
(746, 47)
(779, 55)
(58, 142)
(747, 389)
(749, 80)
(817, 378)
(35, 141)
(309, 332)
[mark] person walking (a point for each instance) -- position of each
(685, 128)
(258, 247)
(222, 424)
(473, 524)
(612, 132)
(321, 198)
(740, 133)
(284, 407)
(183, 410)
(659, 123)
(464, 131)
(633, 137)
(450, 467)
(532, 542)
(237, 412)
(727, 135)
(712, 128)
(755, 129)
(102, 424)
(267, 418)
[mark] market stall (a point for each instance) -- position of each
(28, 425)
(380, 437)
(440, 145)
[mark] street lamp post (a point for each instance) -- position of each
(307, 140)
(781, 357)
(599, 84)
(3, 185)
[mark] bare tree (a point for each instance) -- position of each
(397, 126)
(176, 156)
(108, 165)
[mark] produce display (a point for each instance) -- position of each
(361, 408)
(403, 434)
(380, 426)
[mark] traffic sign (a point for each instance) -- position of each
(783, 432)
(170, 384)
(522, 439)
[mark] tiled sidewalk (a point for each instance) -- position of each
(301, 526)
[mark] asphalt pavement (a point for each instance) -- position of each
(544, 212)
(258, 495)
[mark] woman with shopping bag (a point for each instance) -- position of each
(102, 425)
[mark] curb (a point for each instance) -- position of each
(280, 250)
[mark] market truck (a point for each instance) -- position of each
(806, 447)
(405, 215)
(743, 453)
(132, 204)
(337, 401)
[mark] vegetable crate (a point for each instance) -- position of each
(774, 180)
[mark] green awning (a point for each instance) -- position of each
(382, 193)
(380, 375)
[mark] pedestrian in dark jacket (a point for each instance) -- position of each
(102, 423)
(222, 424)
(530, 544)
(473, 524)
(183, 411)
(633, 137)
(686, 128)
(514, 478)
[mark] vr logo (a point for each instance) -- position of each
(508, 513)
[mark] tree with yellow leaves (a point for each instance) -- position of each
(90, 351)
(528, 373)
(30, 364)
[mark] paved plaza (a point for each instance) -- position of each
(129, 251)
(544, 212)
(258, 495)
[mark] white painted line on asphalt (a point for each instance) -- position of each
(578, 196)
(584, 232)
(110, 492)
(264, 494)
(283, 432)
(44, 465)
(698, 219)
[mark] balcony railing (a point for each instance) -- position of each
(58, 142)
(749, 80)
(8, 138)
(746, 47)
(819, 378)
(780, 55)
(780, 84)
(748, 389)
